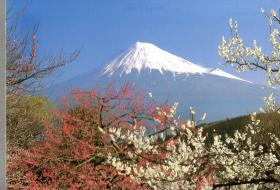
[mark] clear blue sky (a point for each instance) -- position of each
(104, 28)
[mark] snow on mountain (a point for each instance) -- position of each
(148, 56)
(222, 73)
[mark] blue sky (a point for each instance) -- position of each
(102, 29)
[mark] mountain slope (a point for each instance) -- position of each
(172, 78)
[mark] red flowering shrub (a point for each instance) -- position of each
(74, 151)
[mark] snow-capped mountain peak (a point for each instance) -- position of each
(148, 56)
(142, 55)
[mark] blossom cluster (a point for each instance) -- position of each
(187, 157)
(246, 58)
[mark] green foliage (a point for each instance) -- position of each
(25, 117)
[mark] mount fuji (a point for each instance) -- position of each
(146, 56)
(169, 77)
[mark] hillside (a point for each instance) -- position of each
(269, 121)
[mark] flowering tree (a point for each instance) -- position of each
(252, 58)
(245, 58)
(189, 163)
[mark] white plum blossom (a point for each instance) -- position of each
(203, 117)
(236, 157)
(246, 58)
